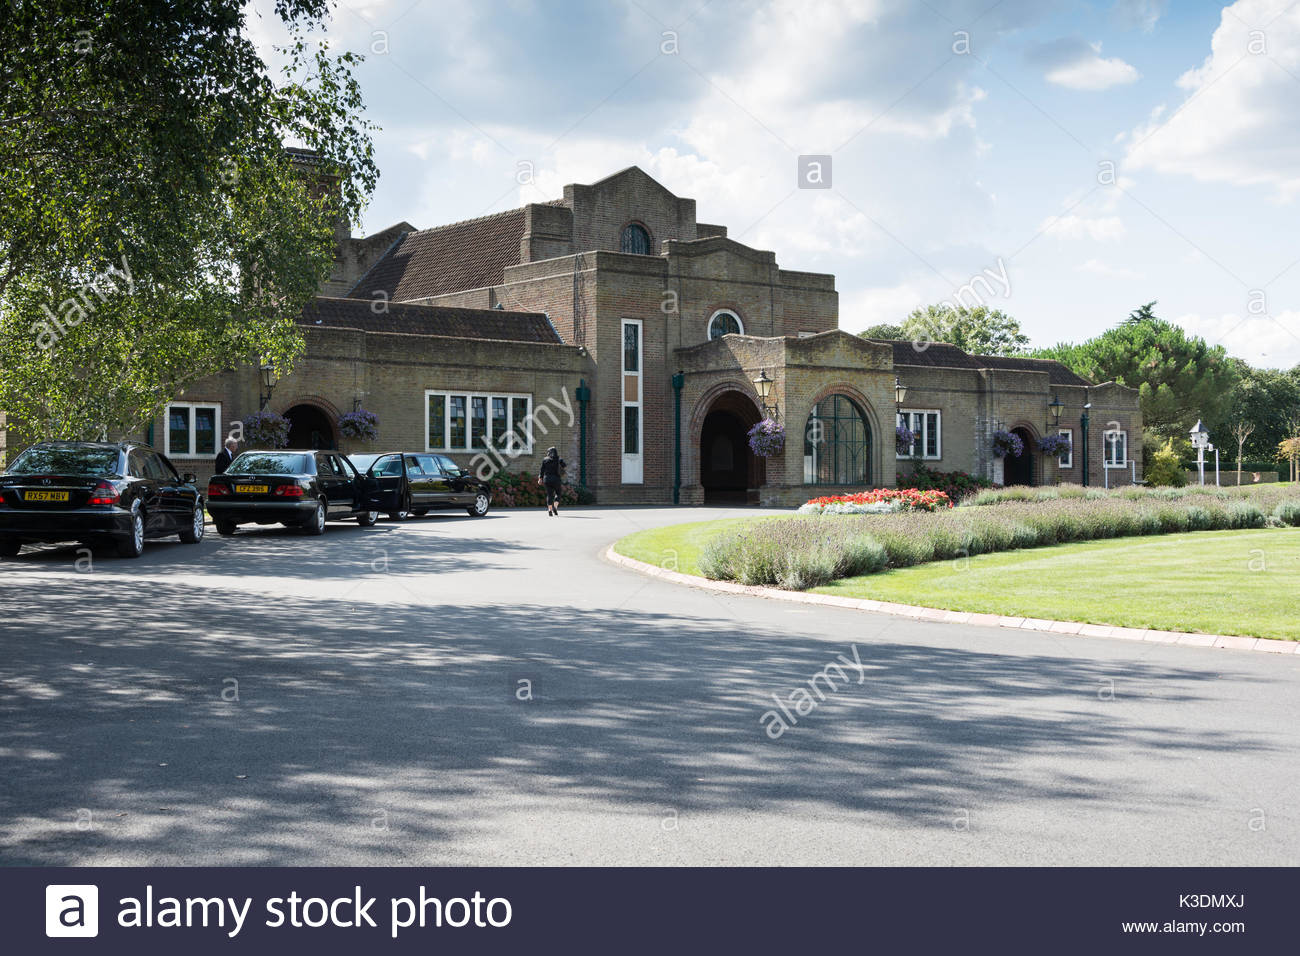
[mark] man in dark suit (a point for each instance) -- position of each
(226, 456)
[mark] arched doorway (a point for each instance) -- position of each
(309, 427)
(728, 468)
(1021, 471)
(837, 443)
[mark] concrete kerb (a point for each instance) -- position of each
(939, 615)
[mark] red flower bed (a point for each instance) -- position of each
(910, 499)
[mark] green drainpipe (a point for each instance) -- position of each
(678, 381)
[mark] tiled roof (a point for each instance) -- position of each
(494, 324)
(464, 255)
(942, 355)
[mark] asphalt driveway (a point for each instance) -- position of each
(459, 691)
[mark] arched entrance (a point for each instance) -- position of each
(309, 427)
(728, 468)
(1021, 471)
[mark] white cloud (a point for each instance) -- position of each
(1077, 65)
(1266, 341)
(1238, 123)
(1100, 229)
(1098, 268)
(1138, 14)
(873, 306)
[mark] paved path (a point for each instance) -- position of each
(378, 722)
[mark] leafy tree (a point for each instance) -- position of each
(1179, 377)
(980, 331)
(1266, 398)
(153, 229)
(890, 333)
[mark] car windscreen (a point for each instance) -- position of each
(271, 463)
(65, 460)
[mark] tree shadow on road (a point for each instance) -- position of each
(346, 713)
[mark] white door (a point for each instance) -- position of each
(632, 431)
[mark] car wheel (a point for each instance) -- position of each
(402, 513)
(420, 512)
(194, 533)
(367, 518)
(9, 547)
(316, 523)
(132, 544)
(226, 528)
(480, 506)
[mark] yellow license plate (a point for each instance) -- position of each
(251, 489)
(45, 496)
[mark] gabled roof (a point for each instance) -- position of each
(464, 255)
(492, 324)
(943, 355)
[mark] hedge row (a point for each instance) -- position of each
(803, 552)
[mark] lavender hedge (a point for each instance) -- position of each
(802, 552)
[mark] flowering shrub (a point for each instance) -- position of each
(904, 439)
(804, 551)
(877, 501)
(360, 425)
(767, 438)
(521, 490)
(955, 484)
(266, 430)
(1054, 445)
(1007, 444)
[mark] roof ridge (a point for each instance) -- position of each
(464, 222)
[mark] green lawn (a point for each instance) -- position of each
(677, 547)
(1219, 582)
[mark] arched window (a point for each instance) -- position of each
(724, 322)
(634, 240)
(837, 444)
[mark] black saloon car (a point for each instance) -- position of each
(415, 482)
(299, 489)
(96, 492)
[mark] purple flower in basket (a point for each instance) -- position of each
(1007, 445)
(266, 430)
(904, 439)
(1054, 445)
(767, 438)
(360, 425)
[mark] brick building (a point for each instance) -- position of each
(489, 339)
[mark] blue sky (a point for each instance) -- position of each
(965, 135)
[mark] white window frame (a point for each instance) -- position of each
(449, 393)
(1066, 459)
(190, 407)
(921, 435)
(1106, 459)
(633, 463)
(708, 327)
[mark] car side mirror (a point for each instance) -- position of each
(189, 478)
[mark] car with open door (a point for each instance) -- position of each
(120, 493)
(415, 482)
(298, 489)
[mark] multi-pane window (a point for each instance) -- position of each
(1067, 457)
(837, 444)
(192, 430)
(633, 461)
(635, 240)
(723, 323)
(472, 422)
(927, 432)
(1115, 446)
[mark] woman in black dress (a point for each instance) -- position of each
(551, 475)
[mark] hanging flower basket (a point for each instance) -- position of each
(360, 425)
(767, 438)
(1054, 445)
(904, 439)
(266, 430)
(1007, 445)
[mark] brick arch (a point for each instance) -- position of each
(1035, 464)
(737, 397)
(324, 404)
(799, 418)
